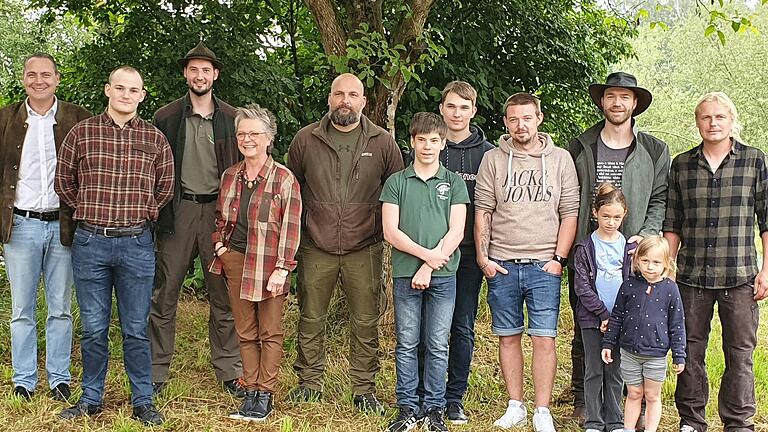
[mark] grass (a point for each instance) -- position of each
(194, 402)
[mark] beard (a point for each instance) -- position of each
(617, 118)
(340, 119)
(200, 92)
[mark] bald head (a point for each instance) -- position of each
(346, 102)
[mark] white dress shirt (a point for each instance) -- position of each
(34, 189)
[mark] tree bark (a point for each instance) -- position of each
(332, 32)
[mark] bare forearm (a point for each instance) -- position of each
(674, 244)
(565, 236)
(400, 241)
(764, 240)
(482, 233)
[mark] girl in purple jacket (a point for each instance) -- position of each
(601, 264)
(647, 322)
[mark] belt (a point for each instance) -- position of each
(113, 232)
(523, 261)
(43, 216)
(199, 199)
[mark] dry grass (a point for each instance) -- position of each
(194, 402)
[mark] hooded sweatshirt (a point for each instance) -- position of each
(464, 158)
(528, 195)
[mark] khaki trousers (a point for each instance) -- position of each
(360, 273)
(194, 225)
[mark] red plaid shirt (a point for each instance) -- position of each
(115, 177)
(274, 221)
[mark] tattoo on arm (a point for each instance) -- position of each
(485, 234)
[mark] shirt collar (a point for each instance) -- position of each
(188, 108)
(441, 173)
(736, 148)
(51, 112)
(106, 119)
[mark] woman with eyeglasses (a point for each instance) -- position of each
(258, 215)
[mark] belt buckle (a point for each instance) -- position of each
(106, 233)
(195, 199)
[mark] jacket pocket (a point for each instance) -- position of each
(322, 222)
(360, 224)
(662, 336)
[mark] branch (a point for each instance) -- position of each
(412, 24)
(332, 32)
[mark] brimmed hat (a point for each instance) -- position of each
(201, 52)
(623, 80)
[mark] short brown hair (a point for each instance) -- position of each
(462, 89)
(427, 122)
(522, 99)
(42, 55)
(126, 68)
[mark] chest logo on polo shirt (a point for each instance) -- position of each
(442, 190)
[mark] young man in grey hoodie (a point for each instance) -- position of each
(529, 189)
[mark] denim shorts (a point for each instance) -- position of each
(635, 367)
(529, 283)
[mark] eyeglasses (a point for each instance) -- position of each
(252, 135)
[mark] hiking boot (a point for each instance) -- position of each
(158, 387)
(263, 407)
(686, 428)
(304, 394)
(434, 422)
(516, 415)
(405, 420)
(61, 392)
(22, 392)
(369, 403)
(148, 415)
(454, 412)
(79, 410)
(542, 420)
(235, 387)
(247, 407)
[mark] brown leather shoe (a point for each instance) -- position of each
(579, 414)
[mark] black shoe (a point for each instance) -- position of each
(148, 415)
(247, 407)
(79, 410)
(61, 392)
(369, 403)
(158, 387)
(263, 405)
(454, 412)
(234, 387)
(22, 392)
(405, 420)
(304, 394)
(434, 421)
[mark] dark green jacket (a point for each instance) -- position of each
(13, 129)
(644, 181)
(170, 120)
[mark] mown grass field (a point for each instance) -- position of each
(194, 402)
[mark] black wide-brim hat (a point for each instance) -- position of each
(623, 80)
(200, 52)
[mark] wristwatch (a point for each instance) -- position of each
(563, 261)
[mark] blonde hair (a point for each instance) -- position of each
(723, 100)
(648, 244)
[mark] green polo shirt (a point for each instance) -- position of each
(425, 212)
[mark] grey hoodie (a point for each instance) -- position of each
(528, 195)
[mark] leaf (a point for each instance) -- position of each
(709, 30)
(721, 36)
(735, 25)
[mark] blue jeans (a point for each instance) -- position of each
(35, 249)
(422, 317)
(128, 265)
(525, 283)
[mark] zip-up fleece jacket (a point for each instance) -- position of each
(648, 322)
(13, 130)
(170, 119)
(590, 310)
(528, 195)
(464, 159)
(334, 226)
(644, 182)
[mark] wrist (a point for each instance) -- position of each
(563, 261)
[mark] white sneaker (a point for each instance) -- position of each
(686, 428)
(542, 420)
(618, 430)
(515, 415)
(595, 430)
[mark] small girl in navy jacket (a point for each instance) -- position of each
(646, 323)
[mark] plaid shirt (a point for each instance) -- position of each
(115, 177)
(714, 215)
(274, 221)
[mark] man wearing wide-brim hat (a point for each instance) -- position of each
(200, 128)
(638, 164)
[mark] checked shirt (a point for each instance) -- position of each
(714, 215)
(274, 222)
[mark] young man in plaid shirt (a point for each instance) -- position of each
(716, 190)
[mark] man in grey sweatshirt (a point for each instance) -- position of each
(529, 188)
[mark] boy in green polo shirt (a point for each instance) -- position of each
(423, 213)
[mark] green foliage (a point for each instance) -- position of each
(678, 66)
(502, 47)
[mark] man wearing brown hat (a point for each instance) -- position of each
(200, 128)
(635, 162)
